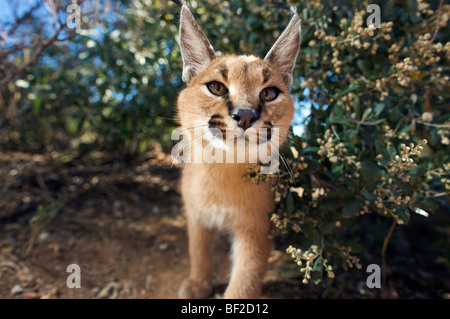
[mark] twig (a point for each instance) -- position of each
(438, 195)
(433, 125)
(35, 56)
(383, 254)
(437, 27)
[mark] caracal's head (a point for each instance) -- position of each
(232, 94)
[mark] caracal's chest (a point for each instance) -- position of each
(221, 194)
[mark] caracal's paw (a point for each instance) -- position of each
(242, 290)
(194, 289)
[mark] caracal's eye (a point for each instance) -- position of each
(216, 88)
(269, 94)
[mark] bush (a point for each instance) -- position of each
(377, 138)
(110, 86)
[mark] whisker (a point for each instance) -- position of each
(189, 144)
(196, 113)
(289, 169)
(284, 126)
(289, 138)
(176, 118)
(195, 126)
(163, 117)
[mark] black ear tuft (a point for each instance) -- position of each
(179, 3)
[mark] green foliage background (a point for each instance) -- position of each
(113, 88)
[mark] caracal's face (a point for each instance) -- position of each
(236, 101)
(239, 98)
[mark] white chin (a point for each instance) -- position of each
(217, 143)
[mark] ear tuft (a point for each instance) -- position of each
(196, 50)
(283, 53)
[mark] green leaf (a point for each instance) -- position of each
(356, 247)
(366, 114)
(313, 166)
(369, 172)
(351, 133)
(339, 120)
(412, 11)
(439, 158)
(428, 205)
(311, 149)
(380, 148)
(352, 209)
(352, 88)
(81, 122)
(340, 193)
(316, 277)
(338, 110)
(382, 161)
(366, 194)
(361, 64)
(403, 215)
(289, 205)
(405, 129)
(399, 124)
(312, 234)
(37, 105)
(376, 122)
(338, 169)
(418, 171)
(356, 107)
(379, 107)
(318, 264)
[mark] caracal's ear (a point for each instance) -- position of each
(283, 53)
(196, 50)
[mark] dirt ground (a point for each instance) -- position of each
(122, 223)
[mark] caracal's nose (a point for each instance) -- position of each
(244, 118)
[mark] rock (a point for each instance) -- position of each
(16, 290)
(50, 294)
(23, 275)
(43, 236)
(148, 282)
(30, 295)
(109, 292)
(160, 245)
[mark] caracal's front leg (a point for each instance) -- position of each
(198, 284)
(251, 249)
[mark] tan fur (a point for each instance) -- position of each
(217, 196)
